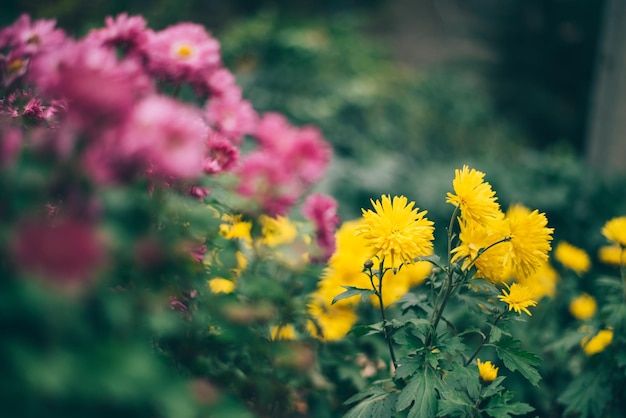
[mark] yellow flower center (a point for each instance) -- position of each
(184, 51)
(15, 65)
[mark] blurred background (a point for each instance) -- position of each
(524, 90)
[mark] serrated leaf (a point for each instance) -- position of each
(516, 359)
(499, 407)
(373, 403)
(463, 379)
(353, 291)
(496, 334)
(493, 388)
(363, 330)
(454, 404)
(586, 395)
(408, 366)
(420, 395)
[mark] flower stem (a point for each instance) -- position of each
(379, 293)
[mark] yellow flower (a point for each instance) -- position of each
(598, 342)
(277, 231)
(542, 282)
(396, 230)
(474, 196)
(488, 372)
(572, 257)
(284, 332)
(612, 254)
(530, 240)
(474, 237)
(583, 307)
(234, 228)
(415, 273)
(334, 321)
(519, 298)
(221, 285)
(615, 230)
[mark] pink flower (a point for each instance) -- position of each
(222, 155)
(322, 211)
(127, 32)
(232, 117)
(66, 252)
(97, 86)
(168, 135)
(10, 145)
(263, 179)
(221, 82)
(304, 151)
(184, 52)
(28, 37)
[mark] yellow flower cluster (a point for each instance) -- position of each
(519, 298)
(499, 245)
(615, 231)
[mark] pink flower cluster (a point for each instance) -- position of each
(111, 86)
(108, 101)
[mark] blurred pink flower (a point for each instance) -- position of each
(27, 38)
(66, 251)
(124, 31)
(184, 52)
(97, 86)
(322, 211)
(222, 155)
(232, 116)
(10, 145)
(169, 135)
(221, 82)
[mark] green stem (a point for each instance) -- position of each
(480, 252)
(379, 294)
(485, 338)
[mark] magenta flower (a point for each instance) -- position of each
(184, 52)
(97, 86)
(28, 38)
(65, 251)
(232, 117)
(322, 211)
(221, 82)
(10, 145)
(170, 136)
(221, 156)
(126, 32)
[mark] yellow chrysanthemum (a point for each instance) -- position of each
(519, 298)
(334, 321)
(396, 231)
(234, 228)
(615, 230)
(530, 240)
(474, 196)
(221, 285)
(284, 332)
(474, 237)
(572, 257)
(583, 307)
(487, 371)
(612, 254)
(277, 231)
(542, 282)
(597, 343)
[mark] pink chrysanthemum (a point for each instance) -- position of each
(263, 179)
(28, 38)
(221, 155)
(167, 134)
(231, 116)
(221, 82)
(124, 31)
(96, 85)
(182, 53)
(322, 211)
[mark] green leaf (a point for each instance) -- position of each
(373, 403)
(353, 291)
(408, 366)
(420, 395)
(493, 388)
(516, 359)
(496, 334)
(499, 406)
(362, 330)
(586, 395)
(455, 403)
